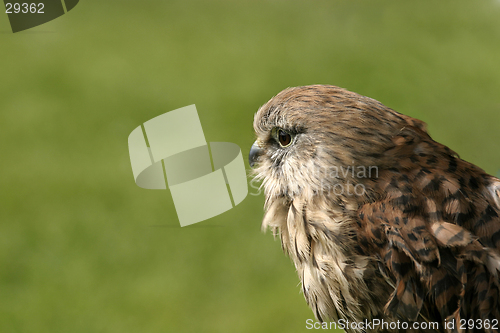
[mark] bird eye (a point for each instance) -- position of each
(284, 138)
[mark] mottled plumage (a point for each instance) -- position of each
(414, 237)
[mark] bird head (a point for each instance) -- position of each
(319, 138)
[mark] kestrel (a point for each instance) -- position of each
(382, 222)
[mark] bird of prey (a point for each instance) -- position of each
(381, 221)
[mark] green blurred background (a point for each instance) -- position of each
(83, 249)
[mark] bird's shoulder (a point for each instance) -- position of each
(432, 219)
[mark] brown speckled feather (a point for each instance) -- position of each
(420, 242)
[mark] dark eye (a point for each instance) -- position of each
(284, 138)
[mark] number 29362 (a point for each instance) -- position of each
(24, 8)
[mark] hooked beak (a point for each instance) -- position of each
(255, 152)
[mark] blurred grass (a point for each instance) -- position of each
(82, 249)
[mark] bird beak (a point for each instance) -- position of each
(255, 152)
